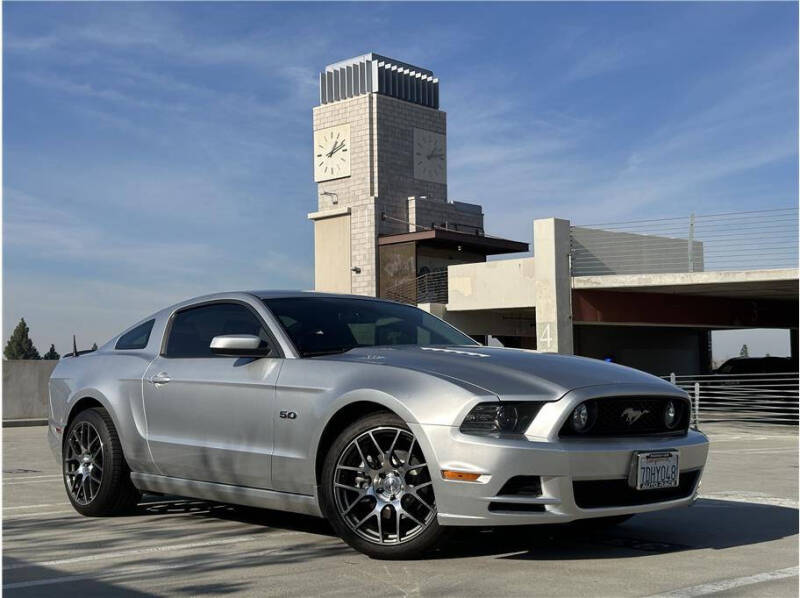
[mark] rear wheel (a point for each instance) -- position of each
(377, 490)
(96, 476)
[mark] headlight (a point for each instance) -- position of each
(494, 419)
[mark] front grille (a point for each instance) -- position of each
(515, 507)
(593, 494)
(631, 416)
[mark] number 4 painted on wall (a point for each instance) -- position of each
(545, 338)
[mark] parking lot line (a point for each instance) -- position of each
(789, 437)
(16, 517)
(148, 550)
(154, 503)
(127, 572)
(752, 498)
(31, 480)
(755, 450)
(728, 584)
(35, 515)
(51, 504)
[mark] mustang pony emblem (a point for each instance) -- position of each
(632, 415)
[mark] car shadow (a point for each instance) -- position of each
(39, 581)
(264, 518)
(709, 524)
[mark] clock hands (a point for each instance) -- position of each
(336, 147)
(435, 153)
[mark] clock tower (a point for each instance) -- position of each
(380, 164)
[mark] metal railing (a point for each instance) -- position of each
(428, 288)
(755, 240)
(742, 398)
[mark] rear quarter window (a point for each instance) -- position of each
(136, 338)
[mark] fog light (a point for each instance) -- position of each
(580, 418)
(670, 415)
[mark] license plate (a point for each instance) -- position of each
(655, 470)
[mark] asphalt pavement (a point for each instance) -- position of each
(739, 539)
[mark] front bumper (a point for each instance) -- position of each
(558, 463)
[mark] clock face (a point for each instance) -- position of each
(332, 153)
(430, 158)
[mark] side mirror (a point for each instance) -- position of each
(238, 345)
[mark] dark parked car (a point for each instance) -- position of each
(764, 389)
(757, 365)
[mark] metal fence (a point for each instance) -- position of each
(742, 398)
(428, 288)
(755, 240)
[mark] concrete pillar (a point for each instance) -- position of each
(553, 286)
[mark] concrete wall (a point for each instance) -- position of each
(601, 252)
(519, 323)
(25, 392)
(491, 285)
(430, 213)
(657, 350)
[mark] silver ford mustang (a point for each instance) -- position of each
(378, 416)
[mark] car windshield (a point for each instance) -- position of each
(326, 325)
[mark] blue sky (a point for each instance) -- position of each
(158, 151)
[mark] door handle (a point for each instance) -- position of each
(160, 378)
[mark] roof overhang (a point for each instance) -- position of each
(741, 284)
(439, 237)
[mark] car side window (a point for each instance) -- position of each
(192, 329)
(136, 338)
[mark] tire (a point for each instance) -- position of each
(96, 476)
(359, 483)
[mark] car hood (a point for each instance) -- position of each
(511, 374)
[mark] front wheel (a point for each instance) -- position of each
(377, 490)
(96, 476)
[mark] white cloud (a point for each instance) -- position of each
(112, 282)
(542, 168)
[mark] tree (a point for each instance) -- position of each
(94, 346)
(51, 354)
(744, 352)
(20, 345)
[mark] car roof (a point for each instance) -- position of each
(281, 294)
(273, 294)
(761, 358)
